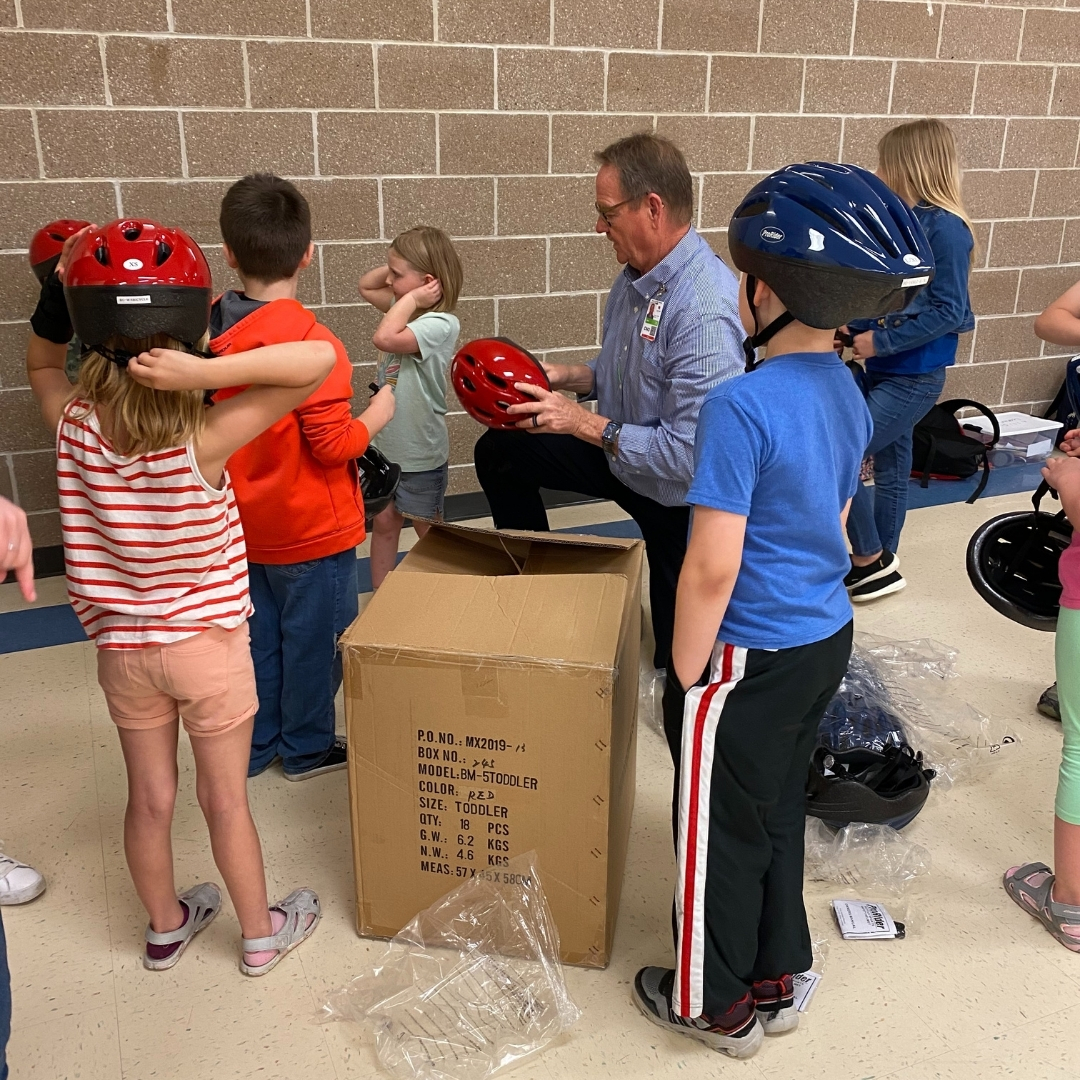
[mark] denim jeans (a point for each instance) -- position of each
(896, 403)
(300, 611)
(5, 1003)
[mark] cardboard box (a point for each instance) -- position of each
(491, 701)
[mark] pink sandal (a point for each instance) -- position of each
(1037, 900)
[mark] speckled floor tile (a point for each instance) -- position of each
(977, 989)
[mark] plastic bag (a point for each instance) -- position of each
(875, 858)
(906, 690)
(471, 985)
(651, 685)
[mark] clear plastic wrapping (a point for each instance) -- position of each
(470, 986)
(871, 858)
(651, 685)
(907, 689)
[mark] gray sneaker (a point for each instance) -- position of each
(1048, 703)
(738, 1034)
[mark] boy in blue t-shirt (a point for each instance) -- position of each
(762, 609)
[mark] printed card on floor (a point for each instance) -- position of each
(805, 985)
(863, 920)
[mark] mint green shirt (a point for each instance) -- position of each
(417, 438)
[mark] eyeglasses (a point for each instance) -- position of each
(605, 211)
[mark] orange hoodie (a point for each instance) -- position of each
(296, 484)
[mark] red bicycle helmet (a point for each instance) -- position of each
(484, 372)
(48, 242)
(135, 277)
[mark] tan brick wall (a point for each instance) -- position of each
(480, 116)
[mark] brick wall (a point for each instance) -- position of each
(480, 116)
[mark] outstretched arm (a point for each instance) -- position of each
(1060, 322)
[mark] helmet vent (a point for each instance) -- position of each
(57, 237)
(469, 360)
(468, 384)
(163, 252)
(495, 380)
(753, 209)
(101, 253)
(132, 232)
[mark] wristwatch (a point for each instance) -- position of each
(609, 440)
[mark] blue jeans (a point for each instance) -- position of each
(897, 403)
(300, 611)
(5, 1003)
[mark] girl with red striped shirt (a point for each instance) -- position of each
(155, 559)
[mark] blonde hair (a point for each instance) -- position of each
(430, 251)
(919, 162)
(142, 420)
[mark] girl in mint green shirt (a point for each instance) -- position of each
(417, 289)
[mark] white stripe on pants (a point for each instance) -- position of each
(701, 717)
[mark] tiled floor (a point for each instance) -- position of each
(977, 990)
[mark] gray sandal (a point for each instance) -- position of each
(203, 902)
(296, 907)
(1037, 901)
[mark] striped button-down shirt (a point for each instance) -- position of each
(655, 388)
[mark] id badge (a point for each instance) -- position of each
(652, 320)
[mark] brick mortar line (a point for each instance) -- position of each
(37, 144)
(537, 47)
(105, 71)
(264, 110)
(706, 229)
(177, 181)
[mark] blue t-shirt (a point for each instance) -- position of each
(781, 446)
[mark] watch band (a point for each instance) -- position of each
(609, 439)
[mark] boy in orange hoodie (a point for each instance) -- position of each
(296, 486)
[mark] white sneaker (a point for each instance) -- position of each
(19, 883)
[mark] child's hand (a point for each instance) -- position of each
(65, 253)
(1070, 442)
(428, 294)
(380, 411)
(1063, 475)
(862, 347)
(168, 369)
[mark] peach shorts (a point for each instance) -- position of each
(208, 680)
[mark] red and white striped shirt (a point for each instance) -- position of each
(153, 553)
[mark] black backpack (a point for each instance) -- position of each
(941, 448)
(1065, 408)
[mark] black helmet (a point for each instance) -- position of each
(379, 478)
(882, 788)
(1012, 560)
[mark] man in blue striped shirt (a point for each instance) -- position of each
(671, 332)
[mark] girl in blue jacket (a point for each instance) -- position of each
(906, 353)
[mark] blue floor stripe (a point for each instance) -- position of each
(41, 628)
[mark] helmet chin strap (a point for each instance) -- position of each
(754, 342)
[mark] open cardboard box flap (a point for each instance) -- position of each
(502, 593)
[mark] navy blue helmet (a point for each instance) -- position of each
(832, 241)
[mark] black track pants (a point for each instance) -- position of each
(744, 751)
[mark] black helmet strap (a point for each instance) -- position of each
(754, 342)
(121, 357)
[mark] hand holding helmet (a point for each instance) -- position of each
(487, 374)
(1063, 475)
(548, 413)
(168, 369)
